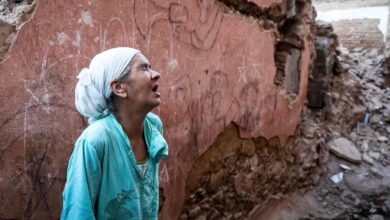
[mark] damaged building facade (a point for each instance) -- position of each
(234, 84)
(360, 24)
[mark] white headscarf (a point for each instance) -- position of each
(93, 88)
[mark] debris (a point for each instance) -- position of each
(376, 171)
(374, 155)
(345, 167)
(345, 149)
(368, 159)
(364, 146)
(376, 217)
(337, 178)
(382, 139)
(366, 118)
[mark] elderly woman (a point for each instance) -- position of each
(113, 170)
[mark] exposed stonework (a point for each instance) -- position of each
(218, 68)
(324, 5)
(357, 33)
(282, 17)
(358, 110)
(325, 46)
(235, 177)
(221, 182)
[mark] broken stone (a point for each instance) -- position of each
(374, 155)
(202, 217)
(216, 179)
(184, 216)
(248, 148)
(237, 215)
(357, 202)
(382, 138)
(375, 118)
(376, 217)
(345, 167)
(376, 171)
(194, 212)
(345, 149)
(254, 162)
(218, 197)
(365, 146)
(367, 159)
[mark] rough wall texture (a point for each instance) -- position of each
(337, 4)
(362, 33)
(326, 43)
(242, 69)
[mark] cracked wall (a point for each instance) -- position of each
(236, 177)
(218, 64)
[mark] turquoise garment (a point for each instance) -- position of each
(103, 179)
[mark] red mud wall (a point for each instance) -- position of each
(217, 68)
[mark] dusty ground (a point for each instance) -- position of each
(359, 111)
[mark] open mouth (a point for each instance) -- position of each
(154, 88)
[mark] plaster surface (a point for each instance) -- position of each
(216, 67)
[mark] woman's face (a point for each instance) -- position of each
(141, 84)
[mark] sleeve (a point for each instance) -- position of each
(83, 183)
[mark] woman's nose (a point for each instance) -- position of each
(155, 75)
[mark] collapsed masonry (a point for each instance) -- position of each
(350, 111)
(235, 79)
(12, 15)
(366, 27)
(235, 177)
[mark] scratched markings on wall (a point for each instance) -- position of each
(218, 68)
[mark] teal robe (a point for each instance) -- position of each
(103, 179)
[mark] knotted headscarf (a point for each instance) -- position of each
(93, 88)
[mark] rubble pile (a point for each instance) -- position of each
(364, 96)
(348, 103)
(359, 115)
(358, 130)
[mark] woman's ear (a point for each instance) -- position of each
(118, 89)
